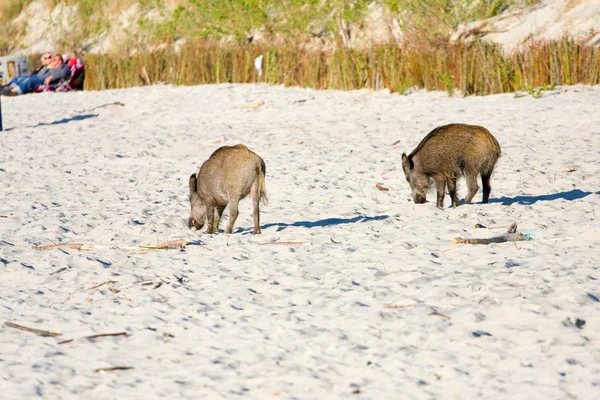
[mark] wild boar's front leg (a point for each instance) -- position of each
(440, 185)
(210, 217)
(452, 191)
(218, 216)
(233, 213)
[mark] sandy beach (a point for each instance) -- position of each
(351, 291)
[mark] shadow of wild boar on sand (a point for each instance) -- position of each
(447, 153)
(229, 175)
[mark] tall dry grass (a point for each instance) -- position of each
(478, 69)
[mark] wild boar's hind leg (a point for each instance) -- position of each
(487, 188)
(254, 193)
(233, 213)
(472, 185)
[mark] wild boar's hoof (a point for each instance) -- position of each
(256, 232)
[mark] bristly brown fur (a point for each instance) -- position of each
(229, 175)
(445, 154)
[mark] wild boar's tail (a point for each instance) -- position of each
(262, 190)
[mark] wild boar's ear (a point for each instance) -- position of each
(407, 163)
(193, 183)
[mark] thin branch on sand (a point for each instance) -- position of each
(111, 369)
(32, 330)
(397, 307)
(439, 314)
(58, 271)
(102, 284)
(74, 246)
(91, 337)
(170, 245)
(116, 103)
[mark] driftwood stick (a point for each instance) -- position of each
(32, 330)
(106, 335)
(58, 271)
(74, 246)
(99, 335)
(439, 314)
(398, 307)
(507, 237)
(111, 369)
(511, 235)
(170, 245)
(102, 284)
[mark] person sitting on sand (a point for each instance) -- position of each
(46, 60)
(54, 72)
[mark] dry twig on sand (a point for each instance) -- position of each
(439, 314)
(254, 105)
(398, 307)
(58, 271)
(170, 245)
(111, 369)
(510, 236)
(99, 335)
(32, 330)
(102, 284)
(382, 188)
(116, 103)
(74, 246)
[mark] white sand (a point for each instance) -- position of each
(297, 321)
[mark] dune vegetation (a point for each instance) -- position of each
(313, 43)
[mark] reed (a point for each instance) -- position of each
(476, 69)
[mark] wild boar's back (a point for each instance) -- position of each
(454, 147)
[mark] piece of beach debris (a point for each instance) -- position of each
(107, 282)
(170, 245)
(74, 246)
(289, 243)
(574, 322)
(399, 306)
(58, 271)
(382, 188)
(479, 226)
(111, 369)
(570, 170)
(480, 333)
(32, 330)
(511, 235)
(116, 103)
(99, 335)
(253, 106)
(439, 314)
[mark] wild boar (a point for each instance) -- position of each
(445, 154)
(229, 175)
